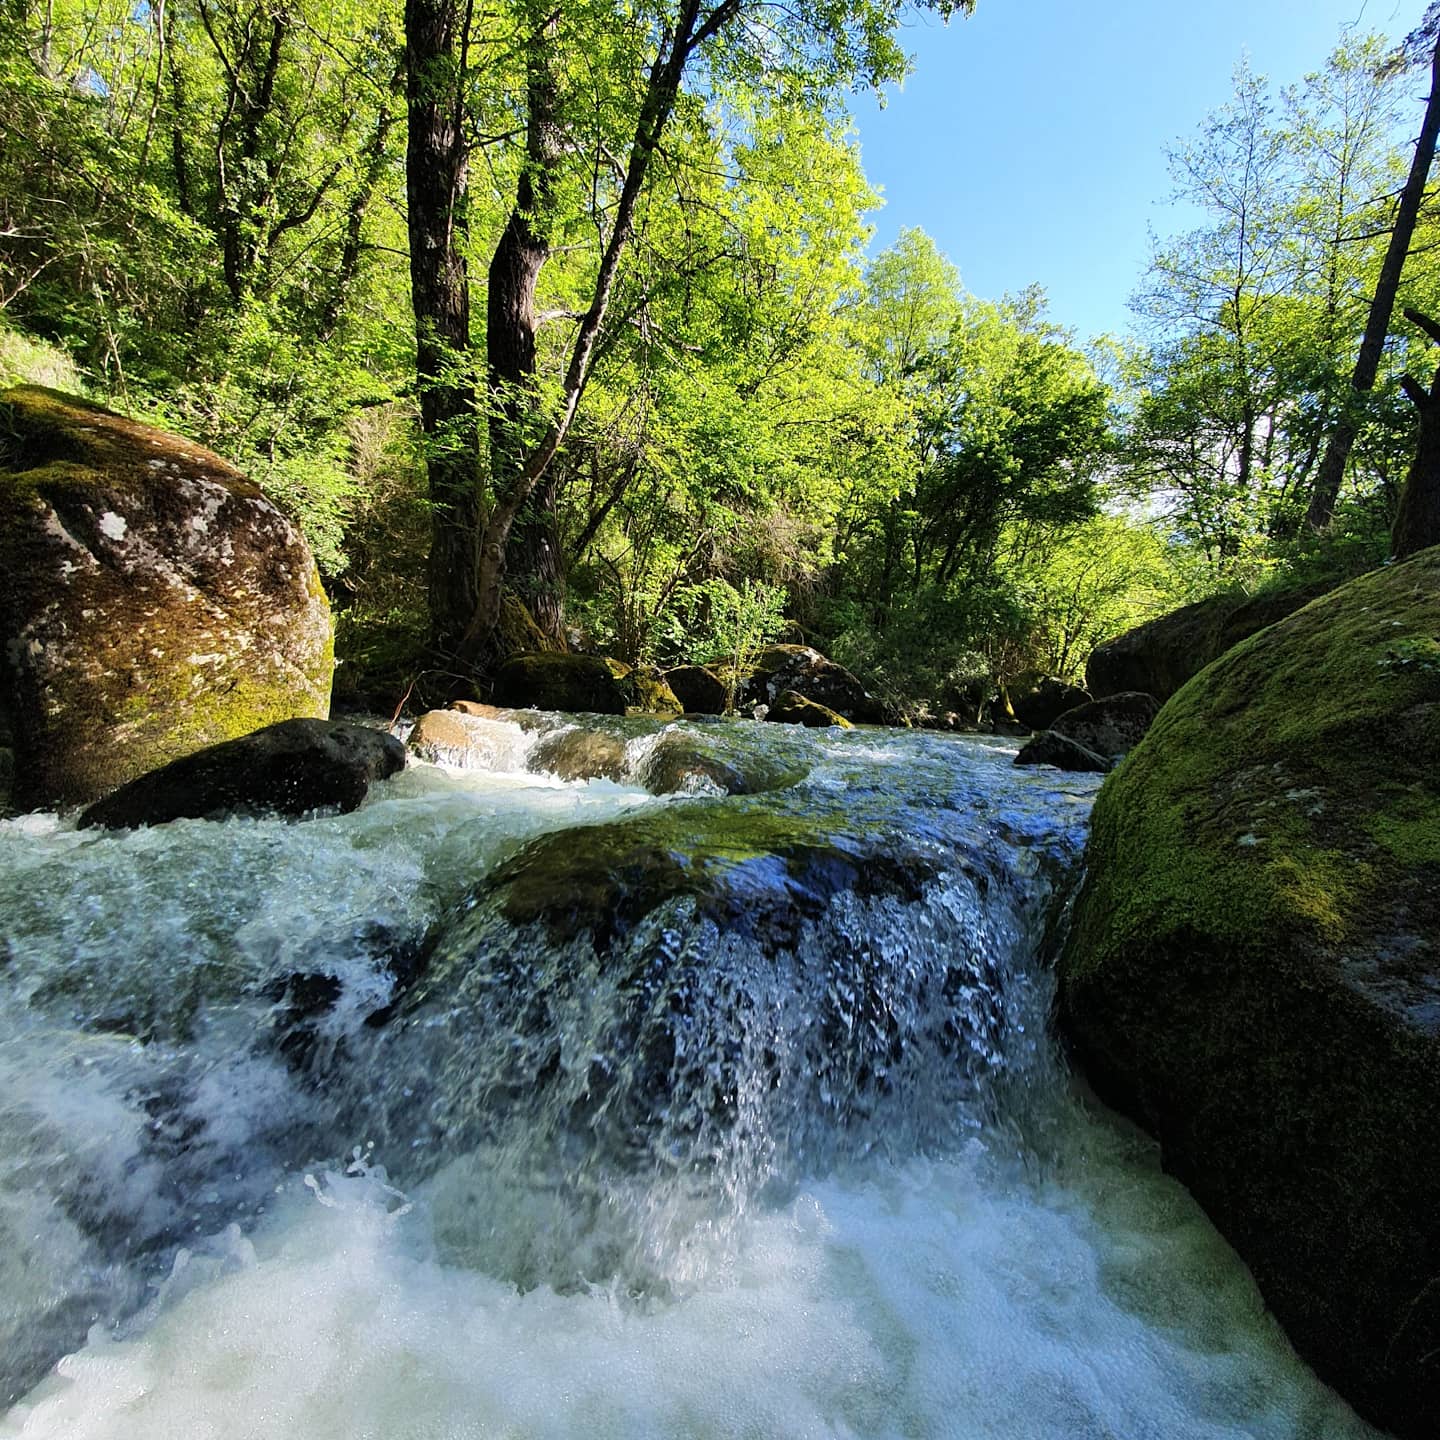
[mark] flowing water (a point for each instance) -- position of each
(508, 1106)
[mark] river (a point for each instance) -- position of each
(509, 1106)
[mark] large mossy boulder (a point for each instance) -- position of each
(152, 600)
(291, 768)
(1161, 655)
(1253, 971)
(585, 684)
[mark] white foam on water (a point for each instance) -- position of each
(1079, 1295)
(956, 1299)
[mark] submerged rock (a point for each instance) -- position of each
(578, 754)
(1161, 655)
(684, 762)
(1254, 971)
(287, 769)
(152, 600)
(702, 985)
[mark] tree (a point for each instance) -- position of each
(1417, 519)
(1377, 324)
(529, 426)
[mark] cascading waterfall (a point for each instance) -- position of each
(512, 1106)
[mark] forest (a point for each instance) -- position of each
(556, 326)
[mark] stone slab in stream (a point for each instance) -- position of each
(292, 768)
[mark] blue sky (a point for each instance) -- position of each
(1030, 139)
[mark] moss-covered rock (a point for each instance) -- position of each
(1161, 655)
(789, 708)
(582, 684)
(810, 675)
(590, 684)
(650, 694)
(753, 871)
(291, 768)
(700, 690)
(152, 601)
(1254, 971)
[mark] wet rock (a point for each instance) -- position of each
(812, 677)
(697, 688)
(578, 683)
(287, 769)
(1161, 655)
(481, 712)
(681, 763)
(1050, 748)
(789, 708)
(458, 737)
(1254, 971)
(579, 754)
(1039, 700)
(152, 601)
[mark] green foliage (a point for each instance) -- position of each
(713, 622)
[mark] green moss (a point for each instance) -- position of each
(1231, 816)
(1409, 829)
(1253, 970)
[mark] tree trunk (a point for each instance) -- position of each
(1417, 520)
(436, 177)
(1332, 468)
(536, 565)
(661, 89)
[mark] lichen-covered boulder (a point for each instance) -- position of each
(1254, 971)
(1037, 700)
(291, 768)
(584, 684)
(1159, 656)
(650, 694)
(812, 677)
(792, 709)
(698, 689)
(152, 600)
